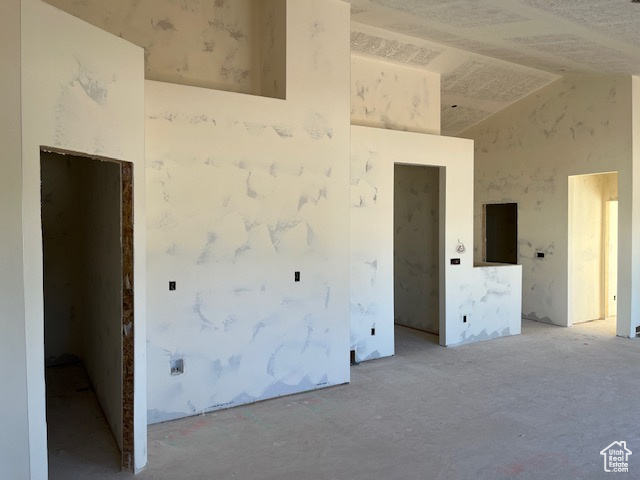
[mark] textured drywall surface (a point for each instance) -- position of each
(416, 246)
(477, 85)
(588, 195)
(524, 154)
(91, 100)
(371, 268)
(585, 37)
(585, 246)
(61, 260)
(101, 251)
(242, 192)
(393, 96)
(273, 47)
(208, 44)
(16, 457)
(489, 296)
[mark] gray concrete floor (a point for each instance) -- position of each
(537, 406)
(79, 439)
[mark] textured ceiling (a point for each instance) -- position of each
(493, 52)
(490, 53)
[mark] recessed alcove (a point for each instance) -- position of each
(232, 45)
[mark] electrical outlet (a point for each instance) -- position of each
(172, 286)
(465, 318)
(373, 331)
(296, 276)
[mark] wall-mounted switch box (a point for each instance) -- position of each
(539, 254)
(465, 318)
(177, 366)
(373, 331)
(172, 286)
(296, 276)
(455, 261)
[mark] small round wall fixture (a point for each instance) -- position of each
(460, 248)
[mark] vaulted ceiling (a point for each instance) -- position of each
(493, 52)
(490, 53)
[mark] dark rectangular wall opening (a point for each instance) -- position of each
(417, 247)
(87, 238)
(501, 233)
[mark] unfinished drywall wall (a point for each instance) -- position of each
(61, 260)
(16, 457)
(609, 186)
(207, 44)
(91, 100)
(397, 97)
(371, 277)
(476, 85)
(416, 247)
(272, 27)
(228, 45)
(524, 154)
(585, 244)
(243, 192)
(489, 296)
(101, 250)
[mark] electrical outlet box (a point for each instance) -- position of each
(373, 331)
(455, 261)
(177, 366)
(465, 318)
(539, 254)
(296, 276)
(172, 286)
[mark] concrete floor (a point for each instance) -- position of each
(80, 441)
(537, 406)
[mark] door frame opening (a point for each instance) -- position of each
(578, 253)
(441, 173)
(127, 333)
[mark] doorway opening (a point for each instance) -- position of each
(593, 250)
(500, 233)
(87, 239)
(417, 240)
